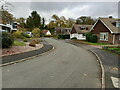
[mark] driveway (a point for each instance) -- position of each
(67, 66)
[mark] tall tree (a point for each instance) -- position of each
(43, 23)
(21, 21)
(85, 20)
(34, 21)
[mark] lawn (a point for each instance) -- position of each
(116, 49)
(95, 43)
(19, 43)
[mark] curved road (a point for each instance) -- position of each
(67, 66)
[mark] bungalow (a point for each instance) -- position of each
(79, 31)
(46, 32)
(63, 31)
(9, 27)
(107, 30)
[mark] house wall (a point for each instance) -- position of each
(117, 39)
(100, 27)
(73, 31)
(78, 36)
(48, 33)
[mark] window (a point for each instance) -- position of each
(104, 36)
(117, 23)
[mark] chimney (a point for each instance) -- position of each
(110, 17)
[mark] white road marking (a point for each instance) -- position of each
(115, 82)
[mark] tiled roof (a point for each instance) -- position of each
(78, 28)
(108, 22)
(44, 31)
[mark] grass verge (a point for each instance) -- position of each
(19, 43)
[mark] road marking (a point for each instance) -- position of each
(115, 82)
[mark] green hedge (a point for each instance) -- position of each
(7, 40)
(91, 37)
(67, 36)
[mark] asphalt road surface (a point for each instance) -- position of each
(67, 66)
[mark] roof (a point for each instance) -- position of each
(108, 22)
(79, 30)
(44, 31)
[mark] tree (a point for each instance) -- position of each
(6, 17)
(33, 21)
(85, 20)
(43, 23)
(21, 21)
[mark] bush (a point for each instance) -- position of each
(36, 32)
(74, 38)
(18, 34)
(67, 36)
(88, 35)
(32, 43)
(37, 41)
(48, 35)
(93, 38)
(7, 40)
(25, 40)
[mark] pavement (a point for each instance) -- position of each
(67, 66)
(110, 62)
(16, 57)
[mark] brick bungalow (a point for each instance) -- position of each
(79, 31)
(107, 30)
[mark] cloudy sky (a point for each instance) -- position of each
(67, 9)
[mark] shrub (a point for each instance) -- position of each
(93, 38)
(7, 40)
(88, 35)
(32, 43)
(74, 38)
(37, 41)
(18, 34)
(25, 40)
(48, 35)
(67, 36)
(36, 32)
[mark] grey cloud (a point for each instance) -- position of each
(68, 9)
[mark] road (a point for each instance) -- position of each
(67, 66)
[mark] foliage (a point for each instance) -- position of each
(25, 40)
(18, 34)
(85, 20)
(48, 35)
(36, 32)
(93, 38)
(74, 38)
(32, 43)
(88, 35)
(6, 16)
(7, 40)
(67, 36)
(34, 20)
(43, 23)
(21, 21)
(19, 43)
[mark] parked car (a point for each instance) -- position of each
(29, 33)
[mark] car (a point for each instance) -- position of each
(29, 33)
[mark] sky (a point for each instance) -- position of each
(67, 9)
